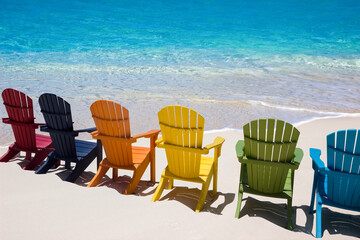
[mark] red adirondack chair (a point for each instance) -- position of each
(21, 117)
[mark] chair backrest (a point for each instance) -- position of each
(184, 127)
(112, 120)
(269, 140)
(57, 115)
(343, 155)
(20, 110)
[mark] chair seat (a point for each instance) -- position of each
(42, 141)
(206, 166)
(83, 148)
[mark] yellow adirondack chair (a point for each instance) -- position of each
(113, 129)
(182, 135)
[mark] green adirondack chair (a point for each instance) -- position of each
(269, 158)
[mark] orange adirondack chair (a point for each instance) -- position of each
(113, 129)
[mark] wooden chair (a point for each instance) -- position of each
(113, 129)
(59, 125)
(269, 158)
(21, 118)
(338, 184)
(182, 135)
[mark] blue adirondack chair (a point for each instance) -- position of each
(338, 184)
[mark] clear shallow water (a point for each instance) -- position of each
(233, 61)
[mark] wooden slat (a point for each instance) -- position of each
(172, 139)
(199, 140)
(340, 144)
(355, 168)
(263, 170)
(179, 139)
(186, 141)
(347, 187)
(253, 170)
(339, 157)
(330, 153)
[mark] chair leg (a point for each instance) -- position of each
(99, 153)
(11, 153)
(318, 216)
(289, 213)
(203, 194)
(137, 176)
(215, 179)
(171, 184)
(240, 196)
(115, 174)
(160, 188)
(98, 176)
(79, 168)
(57, 164)
(38, 158)
(51, 161)
(28, 156)
(311, 210)
(68, 165)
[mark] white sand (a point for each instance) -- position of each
(46, 207)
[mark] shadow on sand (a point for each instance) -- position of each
(332, 221)
(190, 197)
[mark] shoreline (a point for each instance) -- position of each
(225, 129)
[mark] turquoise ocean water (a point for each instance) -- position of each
(232, 60)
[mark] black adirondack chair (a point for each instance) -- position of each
(59, 125)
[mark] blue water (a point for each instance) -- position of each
(290, 59)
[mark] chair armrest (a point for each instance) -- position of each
(148, 134)
(160, 144)
(159, 140)
(30, 125)
(89, 130)
(6, 120)
(240, 149)
(36, 125)
(298, 156)
(96, 135)
(288, 165)
(317, 162)
(45, 128)
(217, 143)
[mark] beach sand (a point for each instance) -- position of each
(46, 207)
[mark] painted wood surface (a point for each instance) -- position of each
(271, 141)
(59, 124)
(269, 158)
(113, 129)
(182, 135)
(21, 117)
(338, 184)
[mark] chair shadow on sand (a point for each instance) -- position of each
(333, 222)
(337, 223)
(190, 197)
(144, 188)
